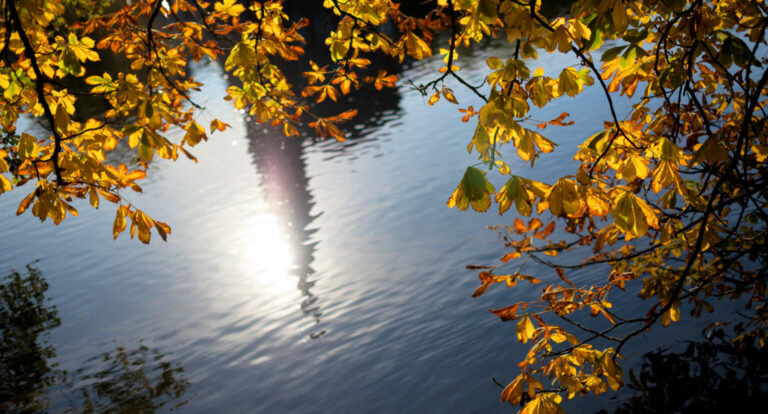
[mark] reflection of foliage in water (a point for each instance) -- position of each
(129, 380)
(24, 317)
(126, 385)
(709, 376)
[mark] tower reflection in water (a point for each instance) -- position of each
(281, 161)
(135, 379)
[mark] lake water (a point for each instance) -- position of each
(303, 276)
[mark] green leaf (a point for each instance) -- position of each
(488, 9)
(494, 63)
(569, 82)
(474, 189)
(611, 53)
(69, 62)
(146, 152)
(596, 40)
(620, 16)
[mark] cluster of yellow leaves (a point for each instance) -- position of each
(45, 51)
(635, 177)
(151, 94)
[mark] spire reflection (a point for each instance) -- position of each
(281, 161)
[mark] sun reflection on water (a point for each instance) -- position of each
(268, 252)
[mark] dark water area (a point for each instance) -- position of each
(301, 276)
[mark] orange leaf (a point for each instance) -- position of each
(546, 232)
(520, 226)
(25, 202)
(562, 276)
(218, 125)
(510, 256)
(344, 116)
(559, 120)
(507, 313)
(481, 289)
(534, 224)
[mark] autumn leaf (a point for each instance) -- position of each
(620, 17)
(510, 256)
(525, 329)
(633, 215)
(195, 134)
(634, 167)
(665, 174)
(544, 403)
(563, 198)
(217, 125)
(546, 231)
(416, 46)
(120, 223)
(514, 391)
(514, 192)
(448, 94)
(474, 189)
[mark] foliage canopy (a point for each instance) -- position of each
(674, 194)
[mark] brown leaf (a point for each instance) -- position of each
(562, 276)
(507, 313)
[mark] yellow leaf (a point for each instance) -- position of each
(218, 125)
(416, 47)
(634, 167)
(672, 315)
(61, 120)
(666, 173)
(544, 403)
(569, 82)
(563, 198)
(711, 150)
(666, 150)
(162, 229)
(578, 29)
(93, 197)
(27, 147)
(525, 330)
(519, 226)
(448, 94)
(546, 231)
(525, 148)
(633, 215)
(557, 337)
(513, 392)
(119, 224)
(597, 205)
(514, 192)
(510, 256)
(434, 98)
(5, 184)
(544, 144)
(195, 134)
(595, 384)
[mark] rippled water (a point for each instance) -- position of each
(301, 276)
